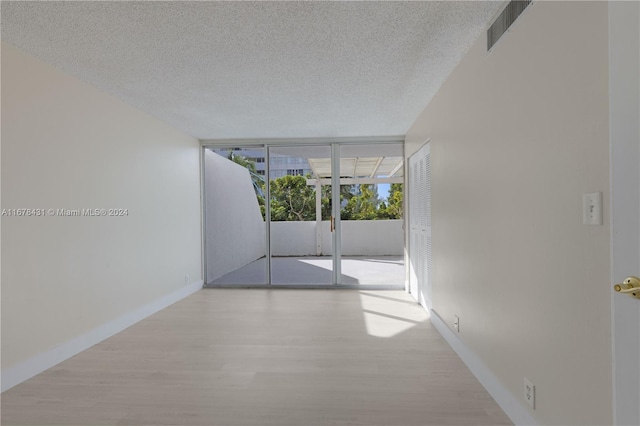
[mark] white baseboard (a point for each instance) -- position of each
(37, 364)
(505, 399)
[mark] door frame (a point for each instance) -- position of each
(624, 116)
(336, 234)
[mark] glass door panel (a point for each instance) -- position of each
(300, 211)
(371, 214)
(235, 240)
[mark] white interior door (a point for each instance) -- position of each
(420, 225)
(414, 224)
(624, 104)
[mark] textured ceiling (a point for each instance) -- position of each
(257, 69)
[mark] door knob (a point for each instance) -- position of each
(630, 286)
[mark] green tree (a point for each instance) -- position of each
(292, 199)
(345, 195)
(243, 161)
(363, 206)
(392, 209)
(256, 179)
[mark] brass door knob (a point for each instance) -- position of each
(630, 286)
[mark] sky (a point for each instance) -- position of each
(383, 191)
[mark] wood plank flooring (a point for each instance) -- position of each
(264, 357)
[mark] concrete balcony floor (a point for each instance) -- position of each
(317, 270)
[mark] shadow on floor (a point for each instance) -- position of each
(317, 270)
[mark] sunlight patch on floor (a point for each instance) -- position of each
(386, 314)
(324, 263)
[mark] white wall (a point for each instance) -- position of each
(372, 237)
(518, 135)
(67, 145)
(235, 230)
(359, 238)
(294, 239)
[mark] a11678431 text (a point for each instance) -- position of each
(58, 212)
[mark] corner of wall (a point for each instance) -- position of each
(24, 370)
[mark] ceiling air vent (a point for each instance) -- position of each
(504, 21)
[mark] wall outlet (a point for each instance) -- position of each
(529, 393)
(186, 279)
(456, 323)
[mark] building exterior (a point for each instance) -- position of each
(280, 165)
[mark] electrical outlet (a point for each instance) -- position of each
(529, 393)
(186, 279)
(456, 323)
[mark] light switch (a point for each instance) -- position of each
(592, 208)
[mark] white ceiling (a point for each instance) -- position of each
(227, 70)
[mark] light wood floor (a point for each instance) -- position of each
(264, 357)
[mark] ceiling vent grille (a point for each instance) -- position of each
(505, 20)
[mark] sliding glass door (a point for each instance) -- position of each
(300, 211)
(371, 212)
(304, 215)
(234, 222)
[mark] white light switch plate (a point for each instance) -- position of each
(530, 393)
(592, 208)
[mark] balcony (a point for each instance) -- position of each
(372, 254)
